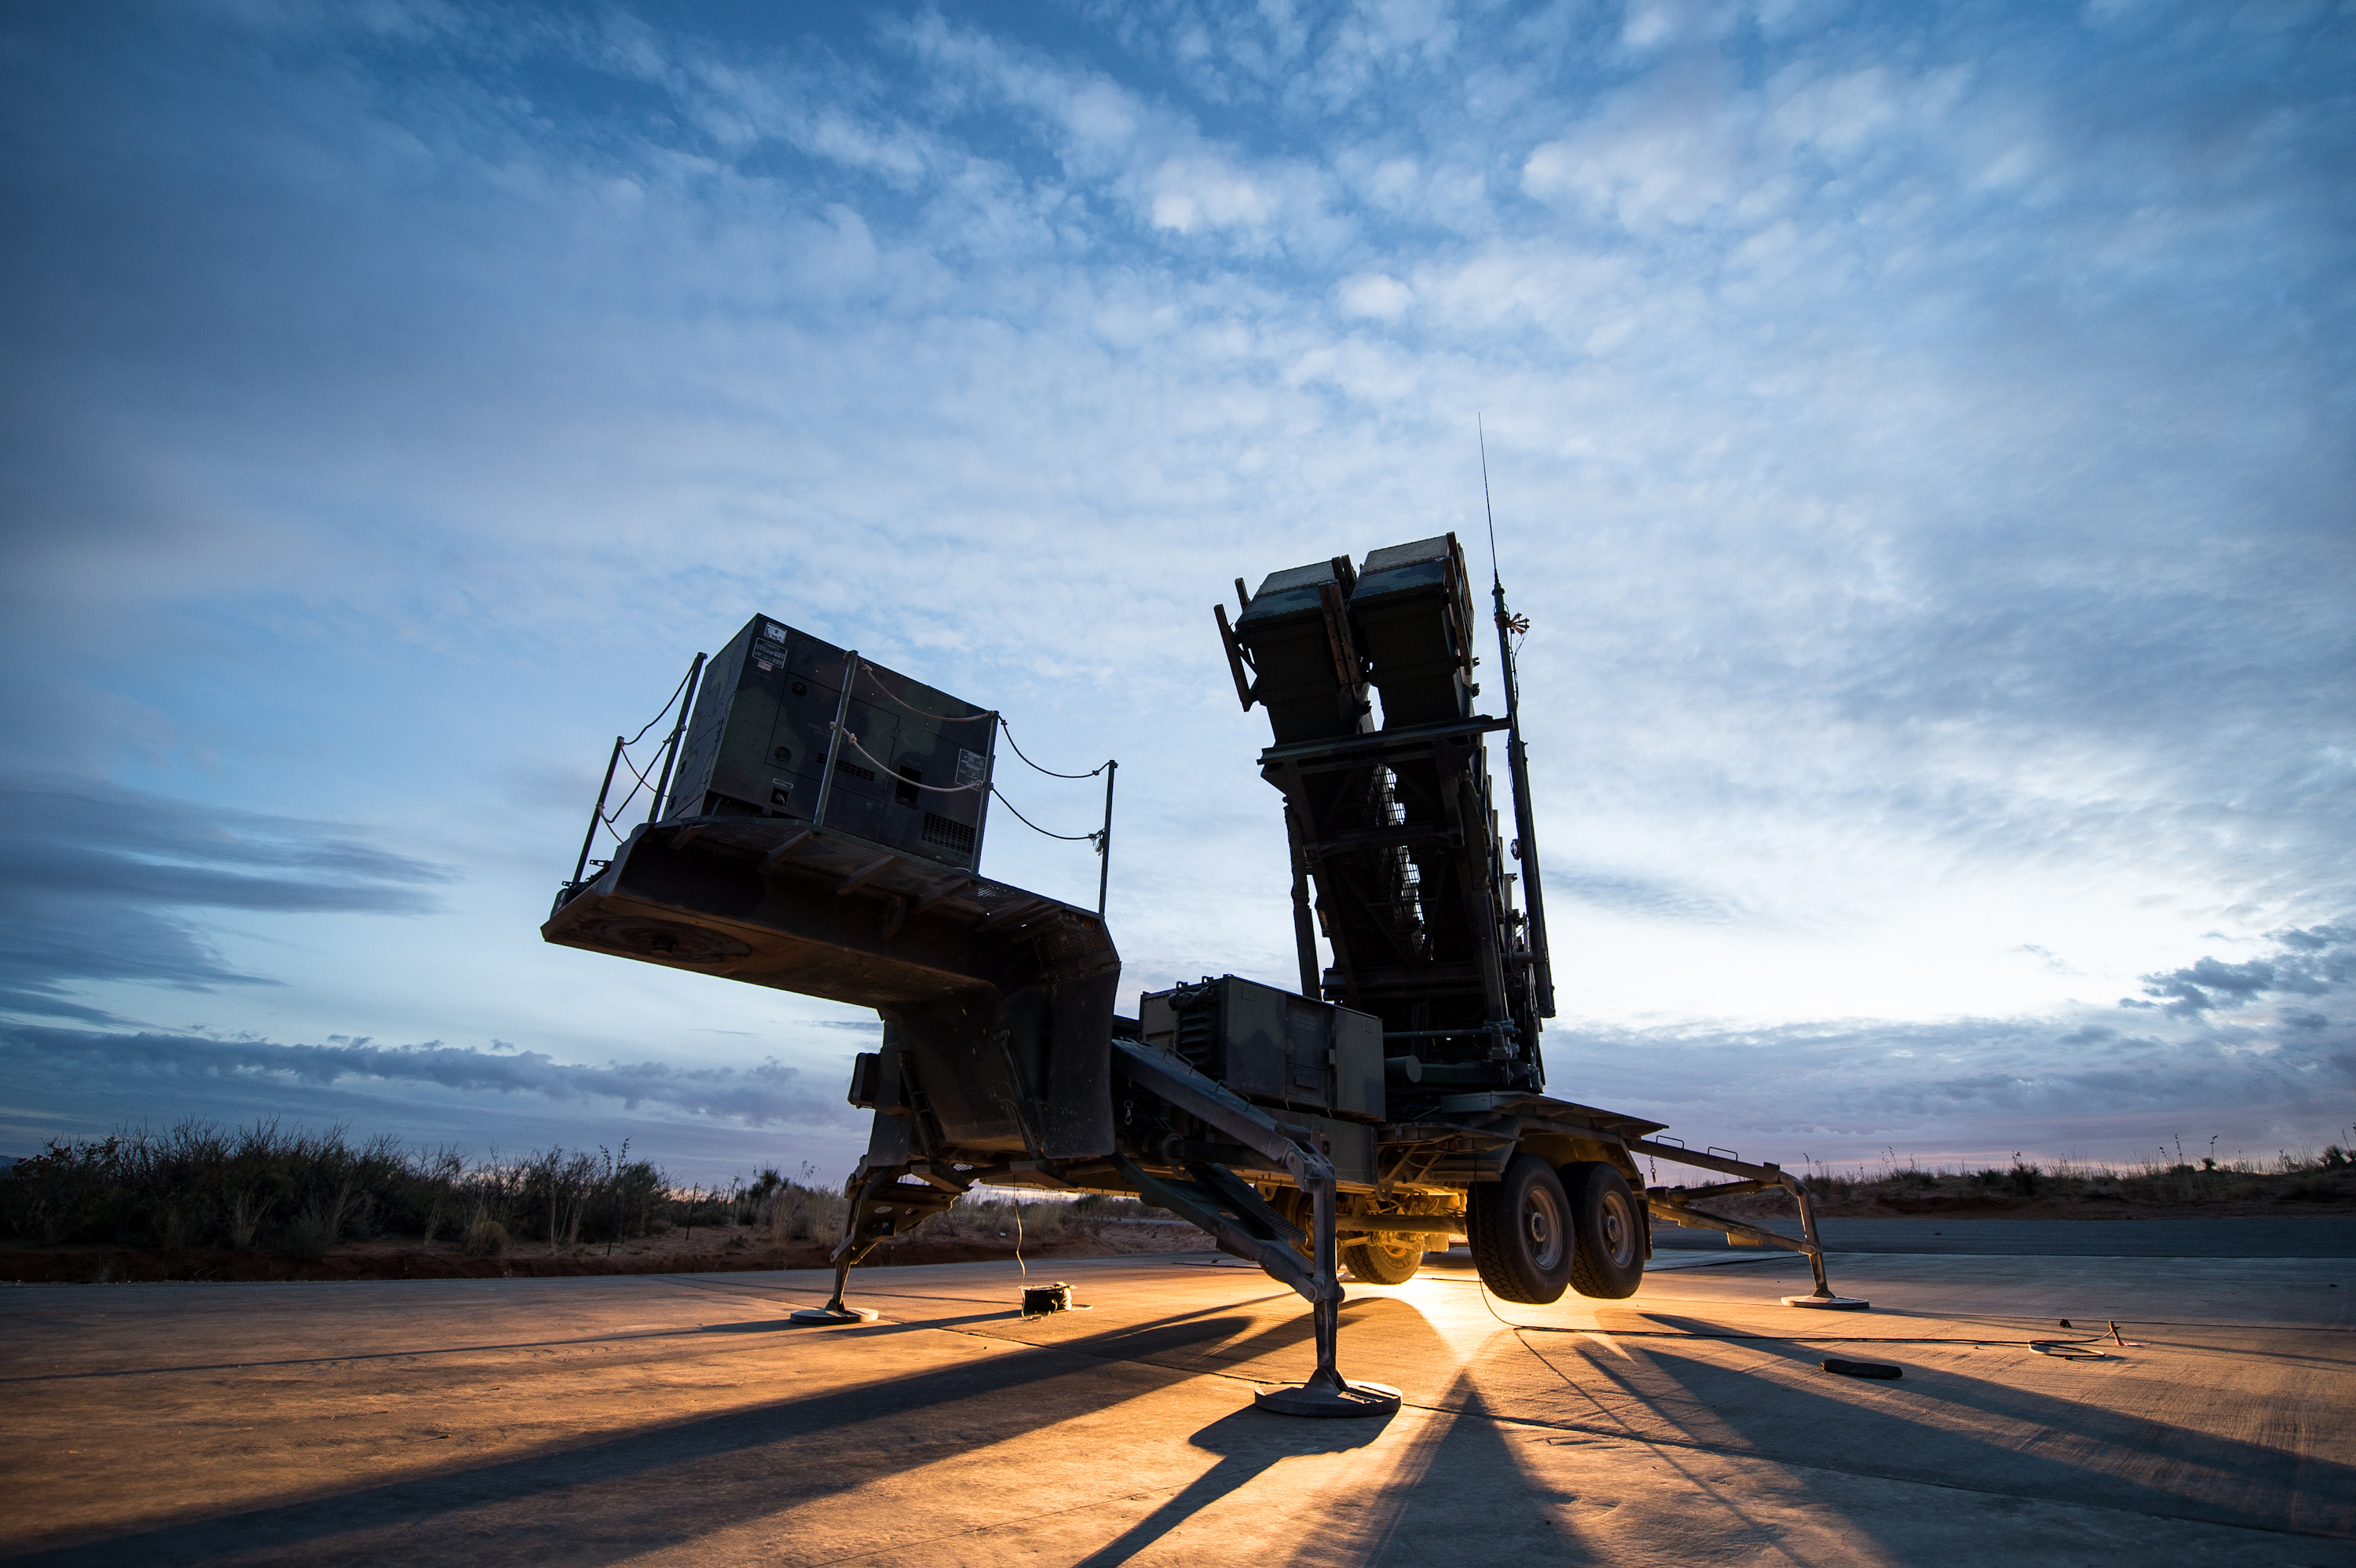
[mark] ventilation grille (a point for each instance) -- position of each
(949, 834)
(845, 765)
(1197, 1030)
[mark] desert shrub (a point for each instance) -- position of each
(177, 1228)
(246, 1213)
(978, 1217)
(1825, 1185)
(486, 1238)
(2023, 1180)
(793, 1212)
(310, 1235)
(200, 1185)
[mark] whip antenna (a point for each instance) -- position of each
(1517, 759)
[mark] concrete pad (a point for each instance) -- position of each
(680, 1419)
(2312, 1236)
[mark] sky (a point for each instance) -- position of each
(1920, 435)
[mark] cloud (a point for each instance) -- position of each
(1965, 1088)
(1375, 295)
(2311, 962)
(93, 878)
(1917, 449)
(769, 1094)
(1646, 898)
(1673, 153)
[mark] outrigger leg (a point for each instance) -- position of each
(1327, 1393)
(855, 1244)
(1822, 1296)
(1675, 1204)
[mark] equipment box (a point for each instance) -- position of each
(1270, 1046)
(911, 772)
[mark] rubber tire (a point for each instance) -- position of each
(1378, 1264)
(1608, 1224)
(1520, 1228)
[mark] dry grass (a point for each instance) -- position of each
(2292, 1176)
(199, 1185)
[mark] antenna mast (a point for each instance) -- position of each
(1517, 762)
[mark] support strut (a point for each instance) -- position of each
(847, 1254)
(1675, 1205)
(1328, 1392)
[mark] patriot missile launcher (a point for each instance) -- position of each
(817, 826)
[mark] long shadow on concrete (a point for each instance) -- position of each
(2063, 1451)
(1248, 1444)
(591, 1476)
(1485, 1503)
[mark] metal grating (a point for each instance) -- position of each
(949, 835)
(1196, 1027)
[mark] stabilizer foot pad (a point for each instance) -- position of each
(831, 1314)
(1828, 1303)
(1342, 1400)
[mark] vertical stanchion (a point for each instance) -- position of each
(989, 787)
(834, 739)
(597, 812)
(670, 746)
(1104, 841)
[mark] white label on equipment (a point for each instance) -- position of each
(968, 767)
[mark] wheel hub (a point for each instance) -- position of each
(1618, 1233)
(1545, 1230)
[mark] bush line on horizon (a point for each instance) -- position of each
(198, 1185)
(2290, 1177)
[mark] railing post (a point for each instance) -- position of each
(1104, 844)
(834, 739)
(670, 747)
(597, 812)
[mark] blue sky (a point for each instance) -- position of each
(1920, 436)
